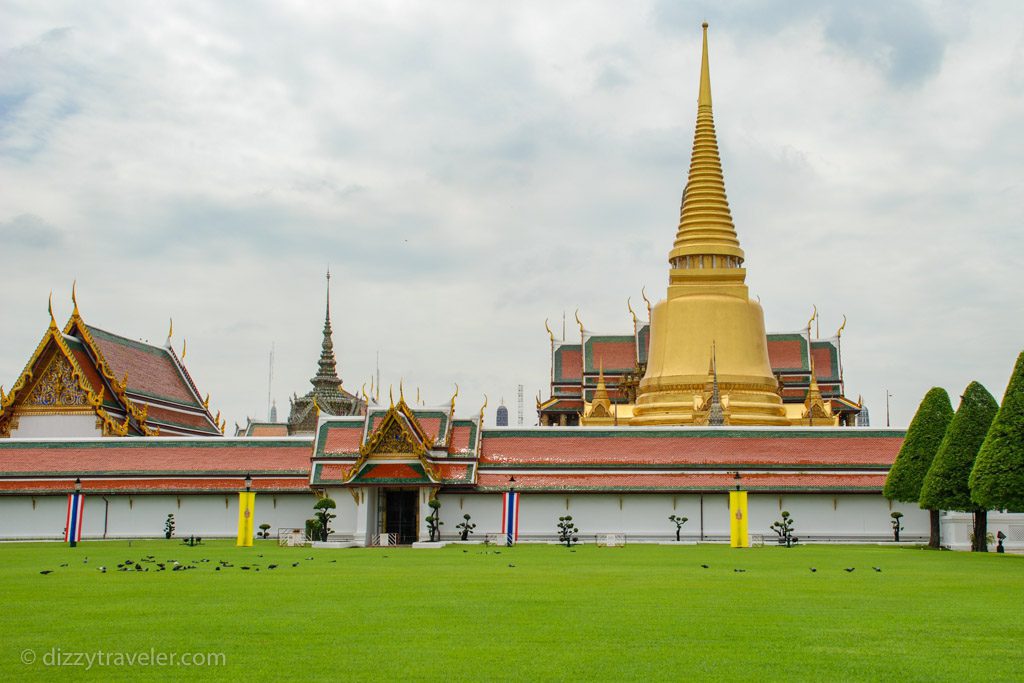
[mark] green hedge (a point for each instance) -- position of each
(997, 481)
(946, 484)
(924, 436)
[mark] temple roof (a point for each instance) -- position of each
(132, 386)
(166, 465)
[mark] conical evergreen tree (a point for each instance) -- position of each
(946, 484)
(997, 481)
(924, 436)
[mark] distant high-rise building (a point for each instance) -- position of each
(502, 416)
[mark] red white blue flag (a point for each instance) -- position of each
(73, 529)
(510, 517)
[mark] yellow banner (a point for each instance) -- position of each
(738, 536)
(246, 514)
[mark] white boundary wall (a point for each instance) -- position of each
(641, 516)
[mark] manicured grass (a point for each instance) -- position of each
(464, 613)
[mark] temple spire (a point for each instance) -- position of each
(704, 98)
(706, 237)
(327, 372)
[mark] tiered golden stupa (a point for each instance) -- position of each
(708, 318)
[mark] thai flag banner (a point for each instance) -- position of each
(510, 517)
(73, 527)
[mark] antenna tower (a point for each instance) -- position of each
(270, 378)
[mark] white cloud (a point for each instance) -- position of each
(469, 171)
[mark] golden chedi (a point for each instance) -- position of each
(708, 319)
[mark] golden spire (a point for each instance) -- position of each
(601, 393)
(49, 308)
(74, 299)
(706, 237)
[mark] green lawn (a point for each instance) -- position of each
(466, 613)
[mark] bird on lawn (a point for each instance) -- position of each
(512, 565)
(877, 569)
(85, 561)
(309, 558)
(271, 566)
(295, 564)
(243, 567)
(65, 564)
(103, 570)
(849, 569)
(333, 560)
(46, 571)
(216, 569)
(705, 566)
(814, 569)
(739, 571)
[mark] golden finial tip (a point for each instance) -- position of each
(704, 26)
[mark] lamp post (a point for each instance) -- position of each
(248, 482)
(512, 483)
(887, 397)
(78, 485)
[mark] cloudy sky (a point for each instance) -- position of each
(468, 169)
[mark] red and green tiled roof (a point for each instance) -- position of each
(693, 446)
(266, 429)
(384, 472)
(152, 373)
(141, 456)
(826, 360)
(683, 481)
(392, 473)
(616, 352)
(464, 438)
(340, 436)
(137, 484)
(787, 352)
(568, 363)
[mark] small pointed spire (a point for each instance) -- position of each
(170, 333)
(704, 98)
(184, 348)
(326, 379)
(716, 416)
(49, 309)
(74, 299)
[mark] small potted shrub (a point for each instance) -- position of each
(434, 520)
(896, 526)
(466, 527)
(679, 522)
(169, 526)
(264, 531)
(784, 528)
(324, 516)
(567, 531)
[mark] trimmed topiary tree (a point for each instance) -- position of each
(997, 481)
(784, 528)
(434, 520)
(324, 515)
(946, 486)
(567, 531)
(679, 522)
(465, 528)
(897, 527)
(924, 436)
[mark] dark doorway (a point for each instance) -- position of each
(400, 508)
